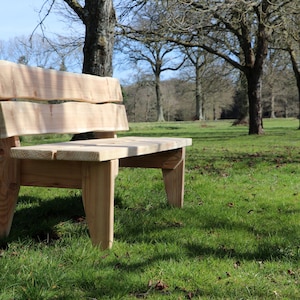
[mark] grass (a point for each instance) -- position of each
(237, 237)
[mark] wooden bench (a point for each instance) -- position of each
(90, 103)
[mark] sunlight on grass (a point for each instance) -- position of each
(237, 236)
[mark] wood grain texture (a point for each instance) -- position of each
(25, 118)
(51, 173)
(88, 164)
(9, 184)
(24, 82)
(98, 200)
(174, 183)
(162, 160)
(100, 149)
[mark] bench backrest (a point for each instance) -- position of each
(90, 103)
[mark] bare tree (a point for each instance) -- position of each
(32, 50)
(99, 19)
(292, 39)
(237, 31)
(287, 38)
(224, 28)
(200, 61)
(277, 64)
(141, 48)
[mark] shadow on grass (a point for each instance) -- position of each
(161, 226)
(37, 221)
(155, 226)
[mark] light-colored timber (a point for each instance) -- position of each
(100, 149)
(19, 81)
(93, 104)
(60, 118)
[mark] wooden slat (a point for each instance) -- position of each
(100, 149)
(20, 81)
(24, 118)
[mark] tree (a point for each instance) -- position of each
(99, 19)
(287, 37)
(140, 99)
(32, 50)
(237, 31)
(160, 55)
(292, 39)
(201, 62)
(296, 70)
(224, 28)
(275, 83)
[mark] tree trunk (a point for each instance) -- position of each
(199, 104)
(100, 23)
(254, 70)
(297, 75)
(159, 106)
(241, 101)
(99, 19)
(255, 107)
(272, 114)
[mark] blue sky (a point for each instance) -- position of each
(20, 17)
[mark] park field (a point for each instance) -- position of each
(237, 236)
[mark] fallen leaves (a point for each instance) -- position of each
(156, 286)
(291, 272)
(237, 264)
(160, 286)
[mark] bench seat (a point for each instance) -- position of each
(100, 149)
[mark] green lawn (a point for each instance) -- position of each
(237, 237)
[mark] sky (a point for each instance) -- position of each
(20, 17)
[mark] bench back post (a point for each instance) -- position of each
(9, 183)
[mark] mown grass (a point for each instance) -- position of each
(237, 237)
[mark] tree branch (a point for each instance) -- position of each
(78, 9)
(40, 24)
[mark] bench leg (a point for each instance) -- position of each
(172, 164)
(9, 184)
(98, 180)
(174, 182)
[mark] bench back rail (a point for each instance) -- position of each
(23, 82)
(26, 118)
